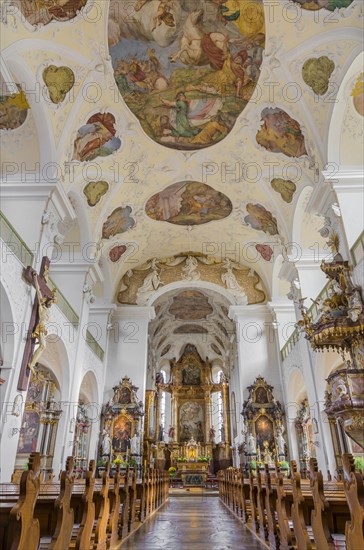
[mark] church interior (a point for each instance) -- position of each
(181, 281)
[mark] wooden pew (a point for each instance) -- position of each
(281, 487)
(124, 499)
(65, 515)
(24, 530)
(302, 507)
(270, 507)
(253, 502)
(261, 498)
(354, 491)
(84, 531)
(113, 523)
(102, 508)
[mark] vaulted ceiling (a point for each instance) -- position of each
(195, 131)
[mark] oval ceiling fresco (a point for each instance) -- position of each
(330, 5)
(188, 203)
(186, 69)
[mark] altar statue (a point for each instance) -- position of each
(280, 443)
(252, 446)
(212, 434)
(106, 443)
(134, 445)
(192, 450)
(171, 434)
(267, 455)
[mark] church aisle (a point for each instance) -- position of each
(196, 522)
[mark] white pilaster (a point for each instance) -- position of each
(128, 347)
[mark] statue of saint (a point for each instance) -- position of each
(106, 443)
(134, 445)
(189, 272)
(212, 434)
(231, 283)
(171, 434)
(280, 443)
(151, 283)
(40, 331)
(267, 455)
(251, 443)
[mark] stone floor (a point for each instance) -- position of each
(195, 523)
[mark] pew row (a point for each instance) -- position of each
(85, 514)
(295, 513)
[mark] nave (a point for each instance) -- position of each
(199, 522)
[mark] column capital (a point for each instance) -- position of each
(146, 313)
(247, 312)
(282, 305)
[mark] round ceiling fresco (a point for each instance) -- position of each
(188, 203)
(186, 69)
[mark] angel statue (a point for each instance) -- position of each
(151, 283)
(229, 280)
(189, 272)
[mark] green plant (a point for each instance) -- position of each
(253, 464)
(202, 459)
(132, 462)
(101, 463)
(359, 463)
(172, 471)
(181, 459)
(284, 465)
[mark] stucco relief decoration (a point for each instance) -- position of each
(286, 188)
(358, 95)
(188, 203)
(331, 5)
(44, 11)
(186, 70)
(94, 191)
(13, 110)
(280, 133)
(59, 81)
(97, 138)
(265, 251)
(141, 283)
(261, 219)
(119, 221)
(316, 73)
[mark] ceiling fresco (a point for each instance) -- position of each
(330, 5)
(188, 203)
(159, 104)
(96, 138)
(281, 134)
(42, 13)
(59, 81)
(358, 95)
(316, 73)
(190, 304)
(187, 69)
(13, 110)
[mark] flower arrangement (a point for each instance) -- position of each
(284, 465)
(359, 463)
(172, 471)
(101, 463)
(181, 459)
(202, 459)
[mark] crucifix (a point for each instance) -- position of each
(37, 331)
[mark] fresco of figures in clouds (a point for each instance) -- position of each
(13, 110)
(331, 5)
(358, 95)
(279, 133)
(43, 12)
(97, 138)
(188, 203)
(187, 68)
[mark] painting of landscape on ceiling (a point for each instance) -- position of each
(188, 203)
(13, 110)
(42, 13)
(330, 5)
(358, 95)
(97, 138)
(190, 305)
(186, 69)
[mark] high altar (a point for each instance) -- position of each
(191, 436)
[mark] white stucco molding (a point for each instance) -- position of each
(254, 311)
(125, 313)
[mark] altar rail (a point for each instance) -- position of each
(298, 514)
(78, 514)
